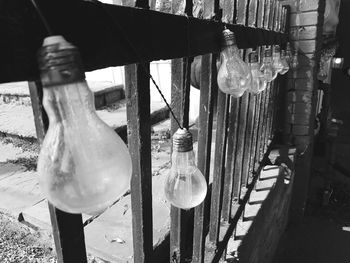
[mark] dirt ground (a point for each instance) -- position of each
(19, 243)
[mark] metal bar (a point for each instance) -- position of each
(67, 229)
(139, 138)
(208, 94)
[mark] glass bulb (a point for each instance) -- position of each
(266, 67)
(258, 82)
(83, 165)
(234, 76)
(276, 58)
(288, 54)
(294, 62)
(284, 63)
(185, 186)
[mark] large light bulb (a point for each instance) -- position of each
(284, 63)
(276, 60)
(185, 186)
(234, 76)
(83, 165)
(266, 66)
(258, 82)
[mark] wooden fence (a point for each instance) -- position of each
(244, 127)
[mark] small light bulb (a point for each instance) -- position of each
(258, 82)
(294, 62)
(234, 76)
(266, 67)
(83, 165)
(185, 186)
(284, 63)
(276, 60)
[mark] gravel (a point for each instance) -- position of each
(20, 244)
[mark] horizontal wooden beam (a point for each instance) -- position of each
(109, 35)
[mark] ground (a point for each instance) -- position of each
(19, 243)
(324, 234)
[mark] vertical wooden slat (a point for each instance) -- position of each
(223, 102)
(219, 165)
(248, 139)
(267, 13)
(255, 136)
(252, 13)
(67, 229)
(208, 94)
(137, 91)
(244, 102)
(228, 17)
(252, 17)
(139, 137)
(181, 220)
(230, 159)
(181, 227)
(260, 129)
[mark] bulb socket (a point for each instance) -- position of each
(253, 57)
(276, 49)
(228, 38)
(283, 53)
(182, 141)
(60, 63)
(268, 52)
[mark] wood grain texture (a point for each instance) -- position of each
(103, 34)
(139, 138)
(208, 96)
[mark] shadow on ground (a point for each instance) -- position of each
(324, 234)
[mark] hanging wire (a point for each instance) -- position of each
(141, 60)
(42, 18)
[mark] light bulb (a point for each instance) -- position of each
(185, 186)
(266, 66)
(284, 63)
(234, 76)
(83, 165)
(294, 62)
(276, 59)
(258, 82)
(288, 54)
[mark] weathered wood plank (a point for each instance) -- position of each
(181, 220)
(139, 138)
(67, 229)
(207, 99)
(260, 128)
(219, 165)
(113, 29)
(252, 11)
(267, 13)
(248, 139)
(252, 160)
(230, 159)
